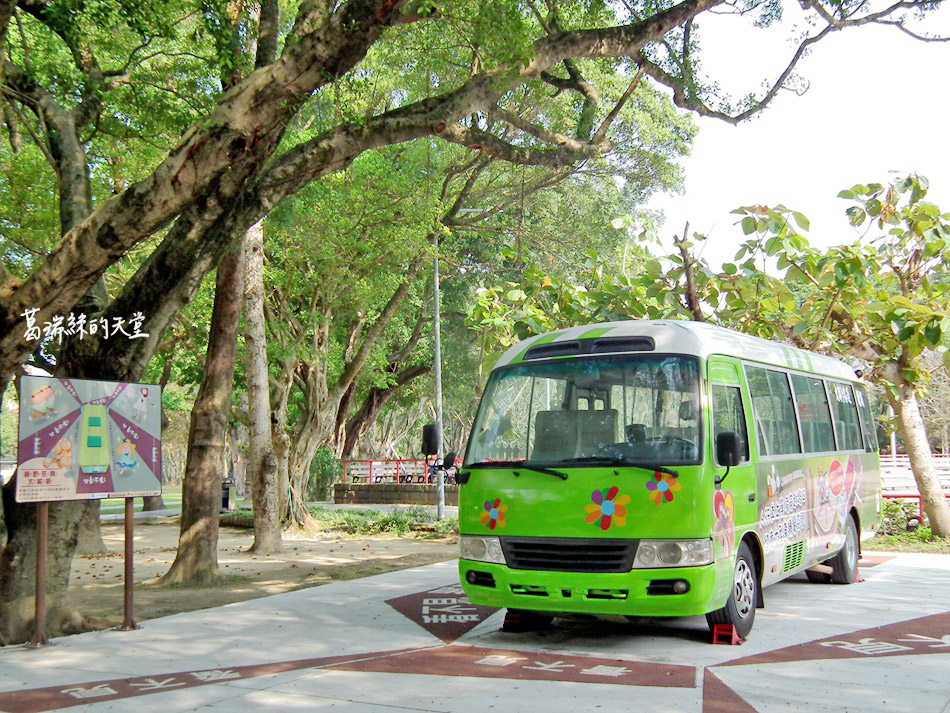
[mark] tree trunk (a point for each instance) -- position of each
(18, 563)
(912, 430)
(262, 462)
(301, 456)
(151, 503)
(197, 559)
(90, 535)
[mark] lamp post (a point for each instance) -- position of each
(437, 338)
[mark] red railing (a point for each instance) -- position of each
(390, 470)
(897, 477)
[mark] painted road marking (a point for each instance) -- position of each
(927, 635)
(444, 612)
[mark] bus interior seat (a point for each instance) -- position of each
(635, 432)
(596, 429)
(688, 410)
(555, 435)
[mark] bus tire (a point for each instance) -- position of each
(740, 607)
(844, 565)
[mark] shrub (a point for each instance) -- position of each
(896, 514)
(325, 470)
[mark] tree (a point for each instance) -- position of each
(236, 159)
(196, 560)
(878, 300)
(262, 461)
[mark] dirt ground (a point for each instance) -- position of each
(97, 584)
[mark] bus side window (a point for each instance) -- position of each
(772, 409)
(846, 417)
(728, 415)
(867, 420)
(813, 414)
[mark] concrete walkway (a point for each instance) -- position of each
(410, 641)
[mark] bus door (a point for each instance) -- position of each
(735, 498)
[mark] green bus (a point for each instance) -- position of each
(662, 468)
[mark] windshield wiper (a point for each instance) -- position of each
(620, 463)
(513, 464)
(542, 469)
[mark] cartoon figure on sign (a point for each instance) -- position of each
(724, 531)
(127, 459)
(63, 460)
(140, 405)
(44, 403)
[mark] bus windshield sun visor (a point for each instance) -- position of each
(604, 345)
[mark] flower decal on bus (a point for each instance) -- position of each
(494, 514)
(724, 531)
(608, 508)
(662, 488)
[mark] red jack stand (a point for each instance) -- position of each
(726, 634)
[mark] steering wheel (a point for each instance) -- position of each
(684, 447)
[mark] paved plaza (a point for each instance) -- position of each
(410, 641)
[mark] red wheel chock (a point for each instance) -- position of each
(726, 634)
(857, 576)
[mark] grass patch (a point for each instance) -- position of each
(415, 520)
(900, 531)
(920, 540)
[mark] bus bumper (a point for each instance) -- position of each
(640, 592)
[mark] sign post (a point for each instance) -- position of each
(129, 622)
(86, 440)
(42, 547)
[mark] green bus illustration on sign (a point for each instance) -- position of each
(662, 468)
(93, 440)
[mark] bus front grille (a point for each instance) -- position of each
(569, 554)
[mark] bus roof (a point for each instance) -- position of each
(684, 337)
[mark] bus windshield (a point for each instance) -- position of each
(637, 410)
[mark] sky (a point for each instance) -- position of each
(876, 107)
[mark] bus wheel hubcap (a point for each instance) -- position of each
(744, 593)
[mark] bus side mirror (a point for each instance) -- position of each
(728, 448)
(430, 440)
(448, 461)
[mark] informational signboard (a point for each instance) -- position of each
(85, 440)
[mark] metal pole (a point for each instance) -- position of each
(893, 431)
(42, 547)
(129, 623)
(438, 383)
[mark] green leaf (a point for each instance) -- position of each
(748, 225)
(801, 220)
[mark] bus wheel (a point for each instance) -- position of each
(740, 607)
(844, 565)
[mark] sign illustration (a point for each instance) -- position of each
(84, 440)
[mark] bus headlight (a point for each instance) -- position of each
(481, 549)
(653, 554)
